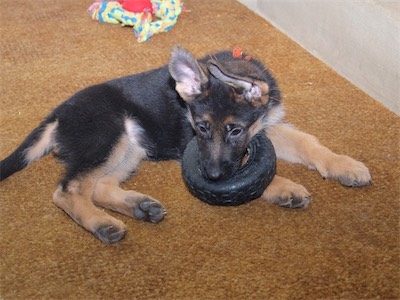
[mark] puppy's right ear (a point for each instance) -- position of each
(189, 76)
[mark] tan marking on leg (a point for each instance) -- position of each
(124, 159)
(77, 203)
(43, 145)
(286, 193)
(127, 154)
(109, 195)
(298, 147)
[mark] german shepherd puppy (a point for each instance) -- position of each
(103, 132)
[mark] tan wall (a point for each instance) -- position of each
(360, 39)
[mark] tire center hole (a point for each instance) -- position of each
(245, 157)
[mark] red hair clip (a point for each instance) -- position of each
(237, 52)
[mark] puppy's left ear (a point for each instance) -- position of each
(189, 76)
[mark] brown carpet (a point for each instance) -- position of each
(346, 246)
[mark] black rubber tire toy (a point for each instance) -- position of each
(247, 184)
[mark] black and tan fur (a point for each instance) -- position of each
(102, 133)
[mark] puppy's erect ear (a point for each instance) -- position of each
(185, 69)
(254, 91)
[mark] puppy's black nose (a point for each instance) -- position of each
(213, 174)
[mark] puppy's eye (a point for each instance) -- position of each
(203, 128)
(234, 131)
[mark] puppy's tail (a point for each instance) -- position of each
(36, 145)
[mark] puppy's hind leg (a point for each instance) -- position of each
(75, 199)
(125, 158)
(109, 195)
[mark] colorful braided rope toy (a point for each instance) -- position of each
(138, 14)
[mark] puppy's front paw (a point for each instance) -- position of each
(286, 193)
(294, 201)
(149, 210)
(348, 171)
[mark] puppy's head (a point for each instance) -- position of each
(228, 100)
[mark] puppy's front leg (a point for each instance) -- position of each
(295, 146)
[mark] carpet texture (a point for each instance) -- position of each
(346, 246)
